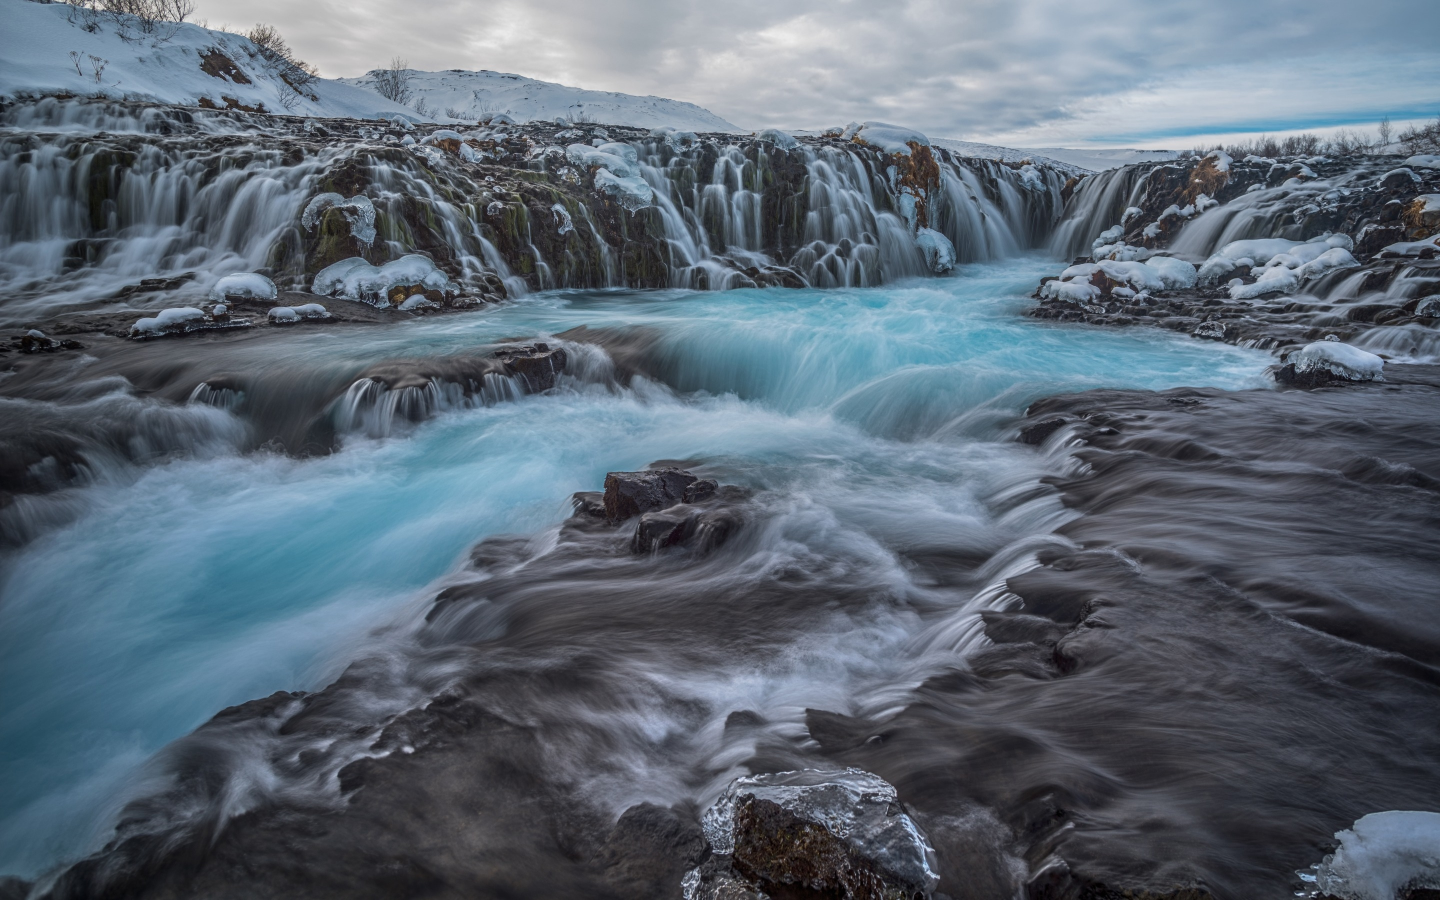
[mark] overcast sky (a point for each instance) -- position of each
(1136, 73)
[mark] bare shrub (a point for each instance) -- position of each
(297, 75)
(393, 83)
(1421, 139)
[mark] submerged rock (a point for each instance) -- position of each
(813, 833)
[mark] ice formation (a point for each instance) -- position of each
(1400, 171)
(1285, 264)
(856, 806)
(778, 138)
(356, 279)
(1424, 161)
(247, 285)
(308, 311)
(1382, 855)
(939, 252)
(358, 211)
(1338, 359)
(632, 192)
(1411, 248)
(168, 321)
(887, 138)
(1176, 274)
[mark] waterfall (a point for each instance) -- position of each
(99, 199)
(1098, 203)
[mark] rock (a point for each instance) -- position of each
(813, 833)
(1398, 179)
(12, 888)
(701, 528)
(1040, 431)
(649, 849)
(539, 365)
(1214, 331)
(629, 494)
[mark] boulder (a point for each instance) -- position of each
(629, 494)
(684, 524)
(813, 833)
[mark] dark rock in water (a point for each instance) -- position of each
(628, 494)
(685, 524)
(1288, 374)
(539, 365)
(702, 490)
(1214, 331)
(588, 504)
(813, 834)
(649, 850)
(1040, 431)
(14, 889)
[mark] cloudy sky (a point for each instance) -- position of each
(1136, 73)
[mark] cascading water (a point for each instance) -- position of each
(283, 509)
(86, 216)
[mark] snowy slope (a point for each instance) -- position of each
(474, 94)
(1007, 154)
(1100, 160)
(37, 40)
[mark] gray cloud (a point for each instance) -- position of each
(1022, 71)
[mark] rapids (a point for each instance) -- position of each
(871, 423)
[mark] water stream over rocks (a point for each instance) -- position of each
(338, 605)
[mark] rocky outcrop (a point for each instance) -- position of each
(811, 833)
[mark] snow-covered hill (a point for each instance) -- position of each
(1087, 160)
(1100, 160)
(458, 95)
(50, 48)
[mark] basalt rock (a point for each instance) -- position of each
(814, 834)
(629, 494)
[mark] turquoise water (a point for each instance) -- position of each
(205, 583)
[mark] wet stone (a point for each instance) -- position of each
(629, 494)
(812, 833)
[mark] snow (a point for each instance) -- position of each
(1080, 292)
(631, 191)
(247, 285)
(1100, 160)
(282, 315)
(939, 252)
(1177, 274)
(161, 67)
(1400, 171)
(1277, 279)
(620, 159)
(889, 138)
(356, 279)
(1110, 235)
(1382, 855)
(778, 138)
(1286, 263)
(1411, 248)
(1339, 359)
(358, 211)
(1429, 203)
(485, 95)
(1130, 213)
(1424, 161)
(1429, 306)
(1138, 275)
(1222, 160)
(175, 319)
